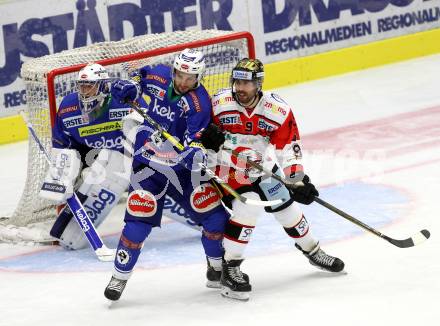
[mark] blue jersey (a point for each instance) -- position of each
(74, 130)
(184, 117)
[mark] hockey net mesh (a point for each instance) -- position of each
(33, 216)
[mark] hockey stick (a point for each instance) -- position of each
(416, 239)
(102, 252)
(210, 173)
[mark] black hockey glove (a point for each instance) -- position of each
(303, 194)
(212, 137)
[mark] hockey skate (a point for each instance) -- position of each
(213, 277)
(234, 283)
(317, 257)
(114, 289)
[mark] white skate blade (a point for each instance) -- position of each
(213, 284)
(228, 293)
(110, 303)
(328, 271)
(105, 254)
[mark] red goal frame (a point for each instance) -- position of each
(141, 55)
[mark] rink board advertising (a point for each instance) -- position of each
(283, 29)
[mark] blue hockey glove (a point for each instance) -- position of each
(192, 157)
(124, 90)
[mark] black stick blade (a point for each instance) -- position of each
(410, 242)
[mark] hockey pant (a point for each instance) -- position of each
(144, 211)
(244, 218)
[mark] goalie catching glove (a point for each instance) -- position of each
(304, 193)
(63, 170)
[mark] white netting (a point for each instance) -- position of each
(220, 58)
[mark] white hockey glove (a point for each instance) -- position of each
(130, 124)
(60, 178)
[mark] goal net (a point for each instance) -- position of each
(48, 79)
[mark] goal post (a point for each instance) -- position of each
(50, 78)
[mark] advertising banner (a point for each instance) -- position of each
(283, 29)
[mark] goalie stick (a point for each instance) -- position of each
(210, 173)
(102, 252)
(416, 239)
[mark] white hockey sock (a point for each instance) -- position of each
(296, 226)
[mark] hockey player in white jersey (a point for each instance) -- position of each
(256, 124)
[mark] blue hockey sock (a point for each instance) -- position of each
(129, 247)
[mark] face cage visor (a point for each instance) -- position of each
(91, 94)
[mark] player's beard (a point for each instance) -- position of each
(246, 99)
(182, 89)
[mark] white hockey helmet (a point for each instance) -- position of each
(93, 86)
(191, 61)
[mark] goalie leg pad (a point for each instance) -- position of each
(99, 203)
(63, 219)
(102, 188)
(177, 212)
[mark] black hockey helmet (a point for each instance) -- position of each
(248, 69)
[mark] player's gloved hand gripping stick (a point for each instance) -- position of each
(102, 252)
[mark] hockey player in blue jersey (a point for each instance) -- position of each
(87, 140)
(87, 143)
(182, 106)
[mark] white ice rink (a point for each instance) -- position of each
(372, 146)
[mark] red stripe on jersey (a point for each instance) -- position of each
(241, 225)
(130, 244)
(234, 239)
(287, 133)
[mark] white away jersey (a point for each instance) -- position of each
(270, 122)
